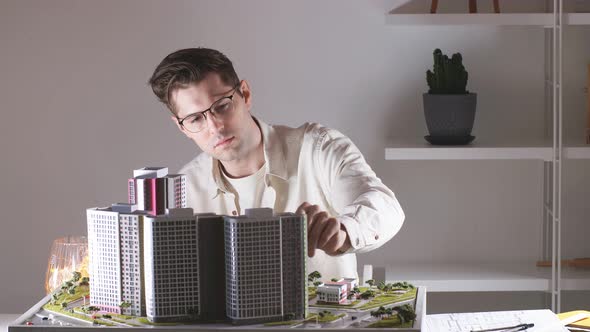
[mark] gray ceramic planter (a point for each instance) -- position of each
(449, 115)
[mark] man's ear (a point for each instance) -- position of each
(246, 93)
(175, 120)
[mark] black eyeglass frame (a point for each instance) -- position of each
(230, 97)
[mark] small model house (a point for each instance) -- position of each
(336, 291)
(332, 292)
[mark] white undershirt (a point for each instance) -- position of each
(249, 189)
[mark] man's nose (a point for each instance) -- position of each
(213, 124)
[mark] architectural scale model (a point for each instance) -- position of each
(153, 262)
(154, 257)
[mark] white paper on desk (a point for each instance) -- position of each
(544, 320)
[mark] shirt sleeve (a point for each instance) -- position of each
(367, 208)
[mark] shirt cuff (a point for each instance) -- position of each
(354, 233)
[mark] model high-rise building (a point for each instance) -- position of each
(172, 266)
(152, 189)
(184, 272)
(265, 266)
(132, 271)
(176, 265)
(176, 190)
(115, 246)
(115, 240)
(211, 267)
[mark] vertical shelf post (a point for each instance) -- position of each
(557, 103)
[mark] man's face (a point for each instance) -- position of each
(229, 138)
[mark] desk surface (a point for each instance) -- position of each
(6, 319)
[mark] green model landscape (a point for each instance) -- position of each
(71, 300)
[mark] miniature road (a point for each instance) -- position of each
(55, 320)
(363, 318)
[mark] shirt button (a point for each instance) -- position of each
(234, 212)
(358, 241)
(376, 236)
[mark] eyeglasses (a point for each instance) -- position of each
(220, 109)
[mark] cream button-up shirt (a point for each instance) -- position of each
(312, 164)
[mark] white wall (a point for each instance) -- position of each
(78, 116)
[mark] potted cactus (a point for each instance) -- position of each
(449, 108)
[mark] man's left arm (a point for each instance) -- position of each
(367, 210)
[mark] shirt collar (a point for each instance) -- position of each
(274, 157)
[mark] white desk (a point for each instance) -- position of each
(6, 319)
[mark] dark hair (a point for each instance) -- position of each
(187, 66)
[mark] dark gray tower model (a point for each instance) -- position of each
(211, 267)
(265, 267)
(294, 273)
(171, 266)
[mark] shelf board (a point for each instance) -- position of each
(418, 149)
(439, 277)
(503, 19)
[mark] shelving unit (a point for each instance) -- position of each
(541, 149)
(445, 277)
(551, 151)
(506, 19)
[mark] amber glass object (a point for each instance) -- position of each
(68, 254)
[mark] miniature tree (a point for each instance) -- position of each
(124, 305)
(405, 312)
(317, 283)
(84, 282)
(313, 277)
(371, 282)
(403, 285)
(389, 311)
(379, 312)
(92, 309)
(367, 294)
(334, 279)
(76, 276)
(381, 285)
(64, 305)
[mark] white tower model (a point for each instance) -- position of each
(114, 255)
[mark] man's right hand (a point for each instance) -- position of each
(323, 232)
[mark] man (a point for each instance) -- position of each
(247, 164)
